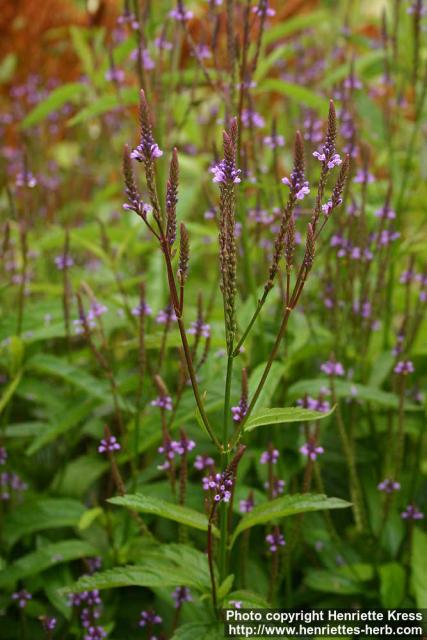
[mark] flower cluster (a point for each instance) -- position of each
(275, 540)
(108, 445)
(311, 450)
(181, 595)
(163, 402)
(332, 368)
(388, 486)
(22, 598)
(220, 484)
(404, 367)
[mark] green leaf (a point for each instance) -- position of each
(392, 584)
(56, 99)
(293, 24)
(199, 630)
(75, 376)
(296, 92)
(332, 582)
(44, 558)
(98, 107)
(79, 37)
(274, 377)
(360, 63)
(78, 475)
(225, 587)
(72, 415)
(48, 513)
(287, 506)
(166, 566)
(163, 509)
(278, 416)
(9, 391)
(419, 567)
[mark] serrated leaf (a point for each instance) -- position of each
(37, 515)
(55, 100)
(167, 566)
(265, 417)
(287, 506)
(163, 509)
(44, 558)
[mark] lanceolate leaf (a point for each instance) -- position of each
(266, 417)
(48, 556)
(287, 506)
(163, 509)
(166, 566)
(55, 100)
(37, 515)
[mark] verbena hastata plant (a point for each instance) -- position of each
(232, 437)
(237, 346)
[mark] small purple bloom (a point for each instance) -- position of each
(220, 483)
(109, 445)
(412, 513)
(63, 262)
(166, 315)
(164, 402)
(222, 173)
(269, 457)
(3, 455)
(332, 368)
(236, 603)
(180, 595)
(245, 506)
(115, 75)
(199, 328)
(274, 141)
(252, 119)
(274, 541)
(48, 623)
(363, 177)
(182, 446)
(404, 367)
(278, 487)
(149, 618)
(95, 633)
(311, 450)
(142, 309)
(143, 152)
(180, 14)
(22, 598)
(201, 462)
(388, 486)
(269, 12)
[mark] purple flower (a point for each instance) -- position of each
(3, 455)
(94, 564)
(220, 483)
(236, 603)
(199, 328)
(331, 161)
(163, 44)
(363, 177)
(108, 445)
(203, 51)
(95, 633)
(96, 310)
(252, 119)
(301, 188)
(146, 151)
(201, 462)
(168, 450)
(224, 173)
(311, 450)
(63, 262)
(245, 506)
(385, 213)
(274, 541)
(277, 488)
(22, 598)
(258, 11)
(166, 315)
(269, 457)
(274, 141)
(184, 445)
(180, 595)
(180, 14)
(332, 368)
(149, 618)
(404, 367)
(407, 277)
(412, 513)
(115, 75)
(48, 623)
(142, 308)
(388, 486)
(25, 179)
(164, 402)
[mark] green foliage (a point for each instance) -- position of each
(280, 416)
